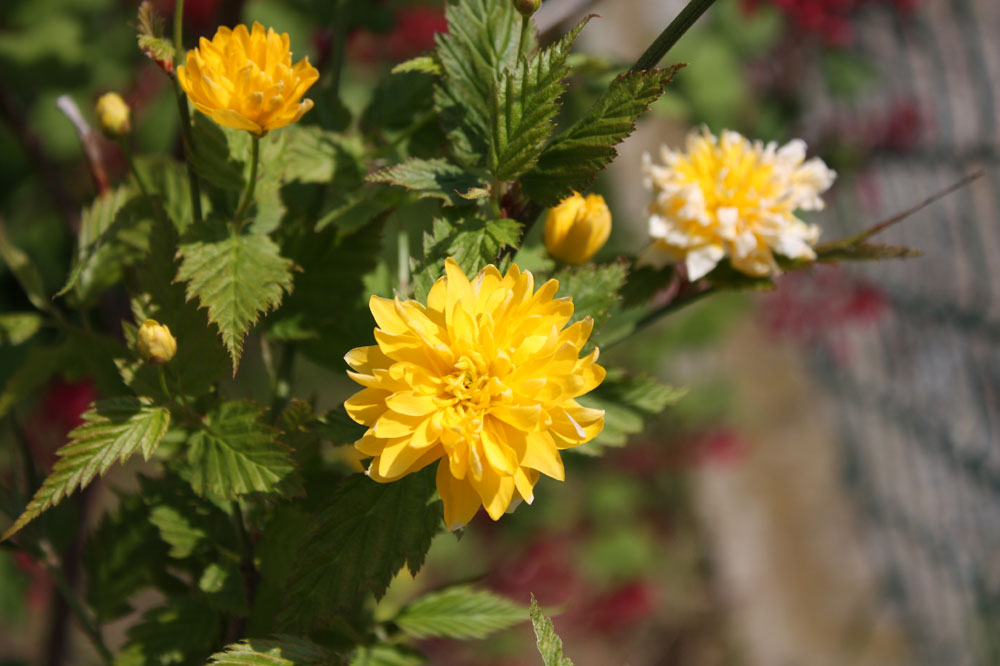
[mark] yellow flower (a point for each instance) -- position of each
(729, 197)
(245, 79)
(114, 115)
(483, 379)
(155, 342)
(577, 228)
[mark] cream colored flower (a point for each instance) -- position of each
(729, 197)
(577, 228)
(244, 79)
(483, 381)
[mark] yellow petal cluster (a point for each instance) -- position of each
(730, 197)
(155, 342)
(244, 79)
(577, 228)
(481, 380)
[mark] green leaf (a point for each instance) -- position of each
(627, 402)
(523, 106)
(430, 178)
(594, 289)
(218, 155)
(183, 631)
(573, 159)
(472, 241)
(328, 314)
(314, 155)
(18, 327)
(365, 534)
(168, 183)
(382, 654)
(177, 530)
(188, 524)
(112, 431)
(235, 454)
(550, 646)
(223, 587)
(278, 651)
(459, 612)
(25, 272)
(484, 37)
(122, 556)
(353, 210)
(425, 64)
(237, 277)
(399, 101)
(114, 234)
(339, 428)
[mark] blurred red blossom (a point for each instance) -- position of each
(56, 414)
(830, 19)
(413, 34)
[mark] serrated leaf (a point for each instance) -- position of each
(112, 431)
(238, 278)
(398, 102)
(18, 327)
(236, 454)
(459, 612)
(313, 155)
(340, 429)
(435, 178)
(177, 530)
(277, 651)
(550, 646)
(365, 534)
(484, 37)
(627, 401)
(188, 524)
(114, 234)
(222, 585)
(594, 289)
(122, 556)
(383, 654)
(425, 64)
(181, 632)
(471, 241)
(573, 159)
(523, 105)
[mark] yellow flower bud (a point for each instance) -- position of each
(155, 342)
(114, 115)
(577, 228)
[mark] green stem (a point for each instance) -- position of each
(247, 197)
(50, 562)
(403, 257)
(673, 32)
(185, 113)
(523, 39)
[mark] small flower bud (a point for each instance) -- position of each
(114, 115)
(527, 7)
(155, 342)
(577, 228)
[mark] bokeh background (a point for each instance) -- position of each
(828, 491)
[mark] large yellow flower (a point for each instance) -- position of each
(482, 378)
(245, 79)
(729, 197)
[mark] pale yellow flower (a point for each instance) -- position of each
(577, 228)
(245, 79)
(114, 115)
(155, 342)
(481, 380)
(731, 197)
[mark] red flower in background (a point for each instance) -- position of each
(809, 308)
(616, 610)
(830, 19)
(545, 568)
(413, 34)
(56, 414)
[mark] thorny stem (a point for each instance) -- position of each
(673, 32)
(247, 197)
(185, 114)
